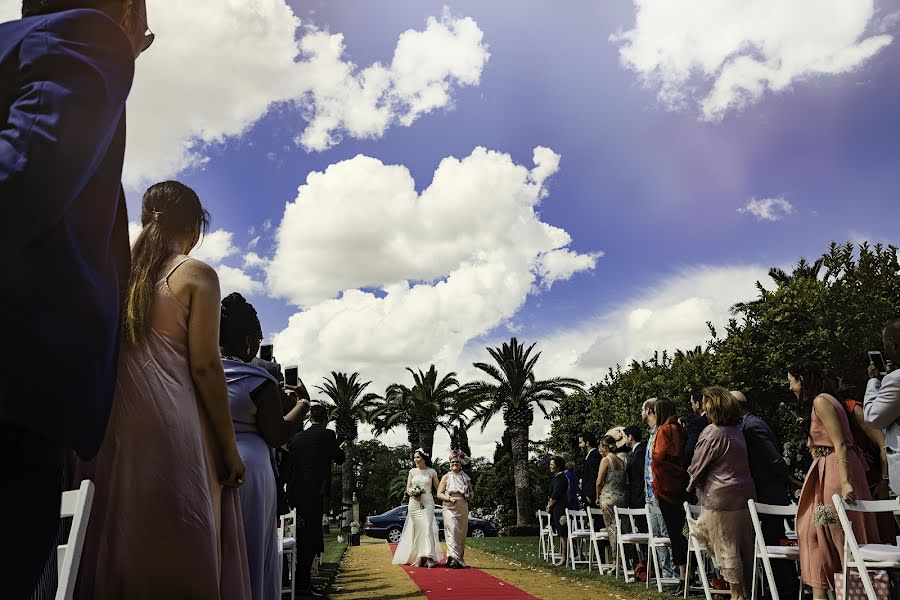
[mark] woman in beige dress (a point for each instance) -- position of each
(166, 519)
(455, 490)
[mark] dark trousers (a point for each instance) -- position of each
(311, 541)
(785, 571)
(674, 518)
(30, 490)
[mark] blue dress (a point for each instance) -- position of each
(258, 500)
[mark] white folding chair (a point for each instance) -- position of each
(653, 545)
(692, 512)
(632, 538)
(577, 525)
(77, 505)
(865, 556)
(763, 554)
(287, 545)
(546, 547)
(597, 535)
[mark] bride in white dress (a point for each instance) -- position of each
(419, 543)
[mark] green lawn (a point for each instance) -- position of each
(524, 550)
(331, 560)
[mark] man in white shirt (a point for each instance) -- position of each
(882, 402)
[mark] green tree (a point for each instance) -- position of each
(375, 464)
(349, 406)
(421, 408)
(831, 310)
(513, 391)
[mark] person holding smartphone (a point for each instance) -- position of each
(882, 400)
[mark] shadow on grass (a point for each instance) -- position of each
(524, 551)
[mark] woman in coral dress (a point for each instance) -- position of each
(838, 468)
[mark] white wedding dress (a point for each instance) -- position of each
(420, 531)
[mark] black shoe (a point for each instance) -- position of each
(679, 591)
(310, 593)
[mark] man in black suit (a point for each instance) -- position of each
(66, 70)
(771, 475)
(588, 443)
(695, 423)
(634, 468)
(312, 452)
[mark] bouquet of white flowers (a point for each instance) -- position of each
(416, 491)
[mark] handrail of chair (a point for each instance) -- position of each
(775, 509)
(631, 511)
(873, 506)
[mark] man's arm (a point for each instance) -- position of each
(882, 401)
(76, 75)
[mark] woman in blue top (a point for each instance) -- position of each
(259, 426)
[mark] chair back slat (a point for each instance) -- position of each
(75, 504)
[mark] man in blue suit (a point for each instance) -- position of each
(65, 72)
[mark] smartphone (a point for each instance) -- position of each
(291, 375)
(877, 359)
(265, 352)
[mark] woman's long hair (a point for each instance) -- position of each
(814, 380)
(169, 210)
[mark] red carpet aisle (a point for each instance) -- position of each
(457, 584)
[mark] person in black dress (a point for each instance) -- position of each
(556, 505)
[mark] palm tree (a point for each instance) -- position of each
(514, 391)
(394, 410)
(431, 400)
(421, 408)
(348, 406)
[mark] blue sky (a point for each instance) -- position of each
(668, 117)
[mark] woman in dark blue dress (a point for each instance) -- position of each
(556, 505)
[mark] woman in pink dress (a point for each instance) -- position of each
(166, 520)
(838, 468)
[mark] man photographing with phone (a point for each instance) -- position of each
(882, 401)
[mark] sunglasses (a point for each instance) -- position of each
(454, 462)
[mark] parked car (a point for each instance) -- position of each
(389, 525)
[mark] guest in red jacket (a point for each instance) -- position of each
(670, 477)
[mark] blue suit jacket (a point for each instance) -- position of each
(64, 254)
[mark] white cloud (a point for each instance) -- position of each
(215, 247)
(725, 54)
(768, 209)
(232, 279)
(218, 66)
(252, 260)
(563, 263)
(449, 264)
(373, 230)
(342, 98)
(215, 69)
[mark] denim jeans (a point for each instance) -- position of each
(659, 530)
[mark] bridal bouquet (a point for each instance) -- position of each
(416, 491)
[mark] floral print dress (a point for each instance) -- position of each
(612, 495)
